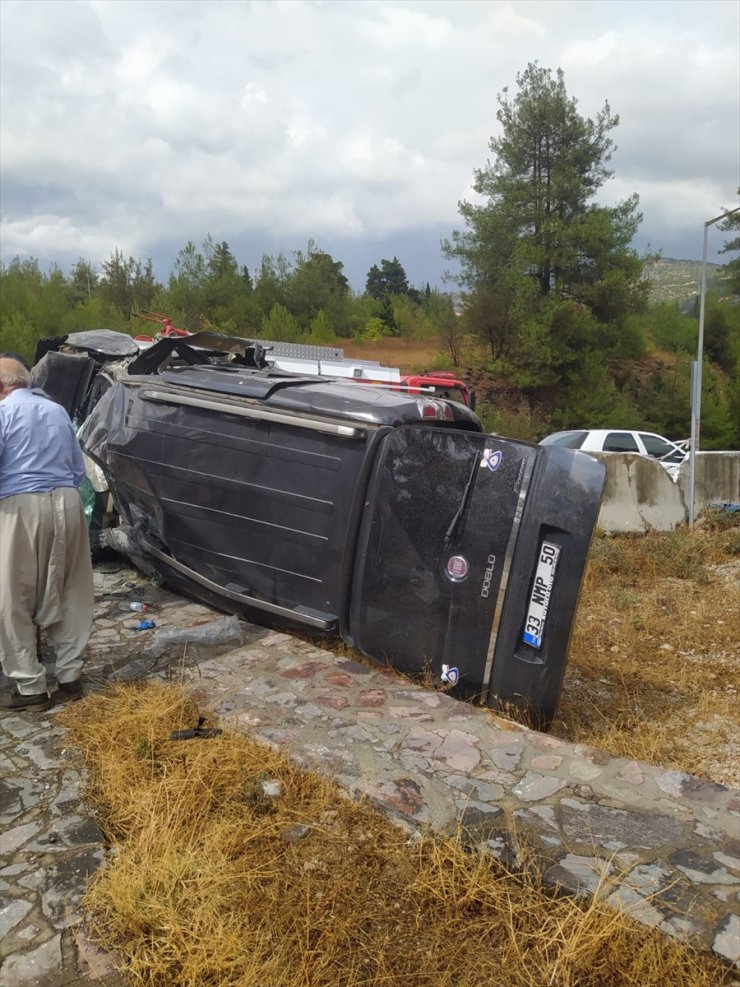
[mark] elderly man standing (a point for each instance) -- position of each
(46, 575)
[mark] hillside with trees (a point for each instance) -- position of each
(679, 281)
(558, 321)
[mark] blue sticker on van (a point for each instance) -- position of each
(491, 459)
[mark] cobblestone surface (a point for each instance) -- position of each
(670, 842)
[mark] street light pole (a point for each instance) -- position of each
(696, 377)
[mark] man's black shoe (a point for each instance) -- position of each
(68, 691)
(13, 699)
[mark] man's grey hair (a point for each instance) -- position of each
(14, 374)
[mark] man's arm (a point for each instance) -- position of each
(78, 464)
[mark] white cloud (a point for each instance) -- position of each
(591, 51)
(402, 26)
(508, 21)
(58, 236)
(126, 123)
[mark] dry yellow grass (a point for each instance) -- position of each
(655, 654)
(211, 883)
(409, 355)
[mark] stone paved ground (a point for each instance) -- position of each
(48, 846)
(426, 759)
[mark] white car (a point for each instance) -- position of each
(668, 453)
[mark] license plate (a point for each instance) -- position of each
(539, 600)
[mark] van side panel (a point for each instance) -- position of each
(249, 503)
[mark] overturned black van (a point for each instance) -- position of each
(388, 519)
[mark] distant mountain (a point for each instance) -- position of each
(677, 280)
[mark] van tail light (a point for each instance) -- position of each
(434, 408)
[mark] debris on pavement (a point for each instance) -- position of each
(223, 630)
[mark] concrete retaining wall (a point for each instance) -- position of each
(640, 495)
(717, 478)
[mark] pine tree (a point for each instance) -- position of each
(541, 262)
(388, 279)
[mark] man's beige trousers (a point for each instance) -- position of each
(46, 580)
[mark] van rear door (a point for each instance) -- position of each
(449, 568)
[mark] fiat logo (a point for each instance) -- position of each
(457, 568)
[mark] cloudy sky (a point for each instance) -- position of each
(141, 125)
